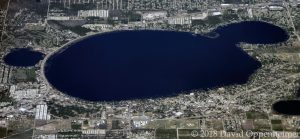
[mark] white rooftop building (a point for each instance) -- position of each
(275, 8)
(41, 112)
(250, 13)
(216, 13)
(22, 94)
(93, 132)
(154, 15)
(98, 26)
(199, 16)
(180, 20)
(58, 18)
(140, 121)
(93, 13)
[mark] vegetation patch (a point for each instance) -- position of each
(276, 122)
(24, 75)
(166, 134)
(2, 132)
(256, 115)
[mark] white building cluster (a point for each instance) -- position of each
(58, 18)
(140, 121)
(180, 20)
(22, 94)
(93, 13)
(154, 15)
(98, 26)
(93, 132)
(41, 112)
(199, 16)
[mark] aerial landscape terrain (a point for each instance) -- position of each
(150, 69)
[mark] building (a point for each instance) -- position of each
(276, 5)
(225, 5)
(154, 15)
(216, 13)
(58, 18)
(199, 16)
(93, 13)
(180, 20)
(275, 8)
(41, 112)
(250, 13)
(98, 26)
(98, 132)
(140, 121)
(22, 94)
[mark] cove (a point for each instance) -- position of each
(142, 64)
(287, 107)
(23, 57)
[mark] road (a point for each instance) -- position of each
(3, 25)
(291, 21)
(264, 85)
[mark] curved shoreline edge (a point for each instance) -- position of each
(68, 44)
(63, 47)
(277, 102)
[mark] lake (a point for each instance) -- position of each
(287, 107)
(142, 64)
(23, 57)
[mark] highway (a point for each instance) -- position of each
(3, 24)
(296, 75)
(291, 21)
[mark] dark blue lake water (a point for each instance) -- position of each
(145, 64)
(287, 107)
(23, 57)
